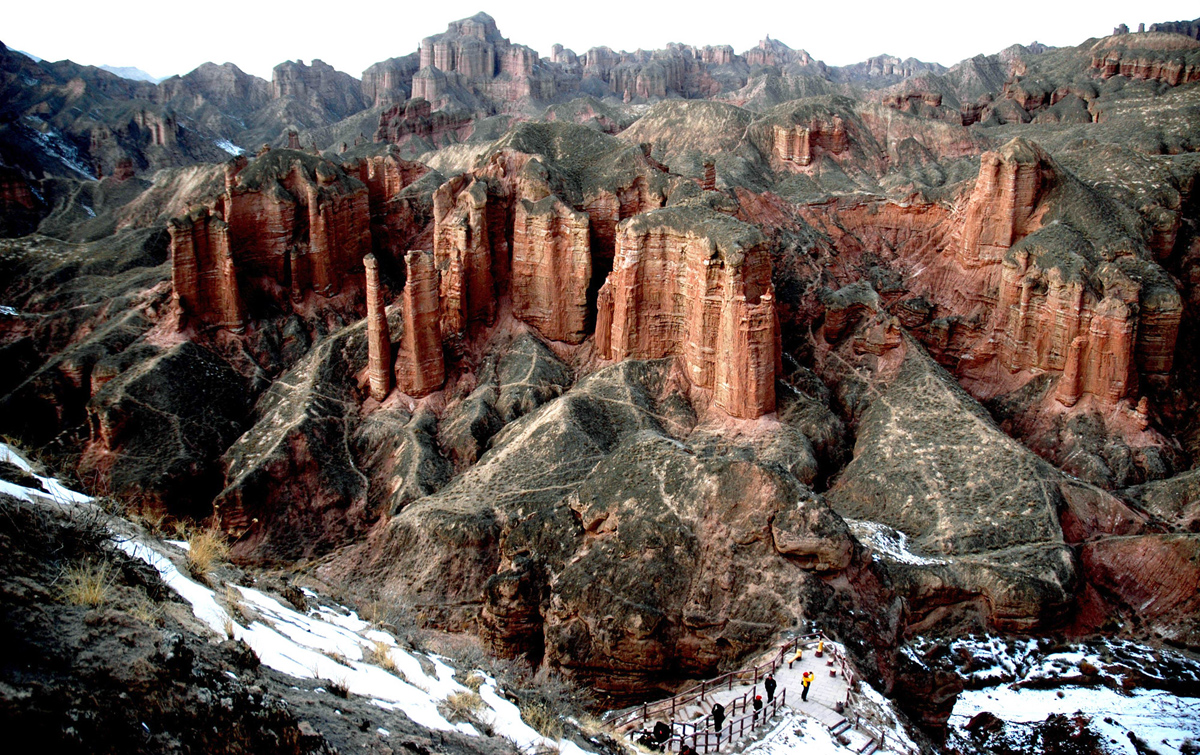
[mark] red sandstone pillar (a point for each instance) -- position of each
(379, 343)
(420, 366)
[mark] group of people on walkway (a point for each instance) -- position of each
(658, 738)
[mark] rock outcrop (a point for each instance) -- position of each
(404, 121)
(911, 473)
(1005, 205)
(695, 283)
(538, 537)
(462, 252)
(287, 226)
(292, 488)
(1154, 579)
(319, 86)
(1173, 59)
(157, 424)
(420, 366)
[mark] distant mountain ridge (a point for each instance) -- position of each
(132, 73)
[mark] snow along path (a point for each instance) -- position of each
(796, 733)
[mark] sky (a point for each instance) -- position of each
(174, 38)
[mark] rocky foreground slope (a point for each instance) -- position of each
(627, 362)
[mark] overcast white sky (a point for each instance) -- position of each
(166, 38)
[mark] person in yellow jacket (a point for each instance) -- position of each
(806, 679)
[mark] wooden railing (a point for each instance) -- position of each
(703, 741)
(667, 708)
(743, 703)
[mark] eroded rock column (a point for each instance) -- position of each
(420, 364)
(379, 343)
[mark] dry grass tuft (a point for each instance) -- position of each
(147, 611)
(88, 584)
(542, 720)
(474, 682)
(206, 548)
(380, 653)
(339, 687)
(464, 705)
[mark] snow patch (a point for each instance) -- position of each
(229, 147)
(331, 643)
(52, 489)
(1158, 717)
(57, 147)
(888, 543)
(794, 734)
(91, 213)
(8, 311)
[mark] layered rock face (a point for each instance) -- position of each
(1052, 277)
(551, 268)
(697, 284)
(1156, 575)
(203, 271)
(462, 251)
(390, 80)
(415, 118)
(797, 144)
(1172, 59)
(1005, 205)
(399, 211)
(289, 225)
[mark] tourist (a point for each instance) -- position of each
(757, 708)
(770, 685)
(662, 733)
(806, 679)
(718, 718)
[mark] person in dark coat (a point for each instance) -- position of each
(757, 708)
(770, 685)
(662, 733)
(718, 718)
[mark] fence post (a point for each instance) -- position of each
(702, 690)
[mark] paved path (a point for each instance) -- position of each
(823, 695)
